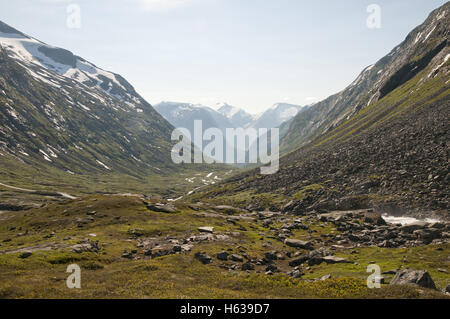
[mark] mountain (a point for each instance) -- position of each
(424, 44)
(237, 116)
(183, 115)
(63, 117)
(276, 115)
(381, 143)
(226, 116)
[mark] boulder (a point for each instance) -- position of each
(248, 266)
(427, 235)
(335, 260)
(295, 273)
(162, 208)
(237, 258)
(326, 277)
(298, 243)
(25, 254)
(272, 268)
(186, 248)
(203, 258)
(83, 221)
(223, 255)
(209, 230)
(86, 246)
(270, 255)
(416, 277)
(413, 226)
(298, 261)
(127, 255)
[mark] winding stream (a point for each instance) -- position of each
(406, 220)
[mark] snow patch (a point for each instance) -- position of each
(102, 164)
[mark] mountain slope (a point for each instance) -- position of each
(424, 44)
(183, 115)
(237, 116)
(277, 115)
(62, 117)
(392, 154)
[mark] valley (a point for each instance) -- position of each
(86, 178)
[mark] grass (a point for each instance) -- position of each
(106, 275)
(406, 98)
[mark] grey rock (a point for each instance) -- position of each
(298, 244)
(326, 277)
(203, 258)
(209, 230)
(270, 255)
(223, 255)
(25, 254)
(417, 277)
(272, 268)
(413, 226)
(237, 258)
(248, 266)
(298, 261)
(162, 208)
(335, 260)
(127, 255)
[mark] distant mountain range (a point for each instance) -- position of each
(226, 116)
(223, 116)
(238, 117)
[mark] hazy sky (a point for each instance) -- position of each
(249, 53)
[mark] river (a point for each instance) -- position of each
(406, 220)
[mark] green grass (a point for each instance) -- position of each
(106, 274)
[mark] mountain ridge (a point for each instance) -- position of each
(62, 128)
(374, 82)
(390, 154)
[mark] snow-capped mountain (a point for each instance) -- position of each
(237, 116)
(226, 116)
(183, 115)
(32, 53)
(278, 114)
(62, 116)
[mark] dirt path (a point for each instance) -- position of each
(35, 191)
(46, 246)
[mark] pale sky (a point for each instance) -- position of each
(248, 53)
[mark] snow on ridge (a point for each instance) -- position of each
(102, 164)
(29, 52)
(428, 35)
(288, 113)
(227, 110)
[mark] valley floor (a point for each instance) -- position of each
(128, 247)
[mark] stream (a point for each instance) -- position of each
(406, 220)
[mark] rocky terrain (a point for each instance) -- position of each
(426, 47)
(316, 229)
(391, 155)
(135, 247)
